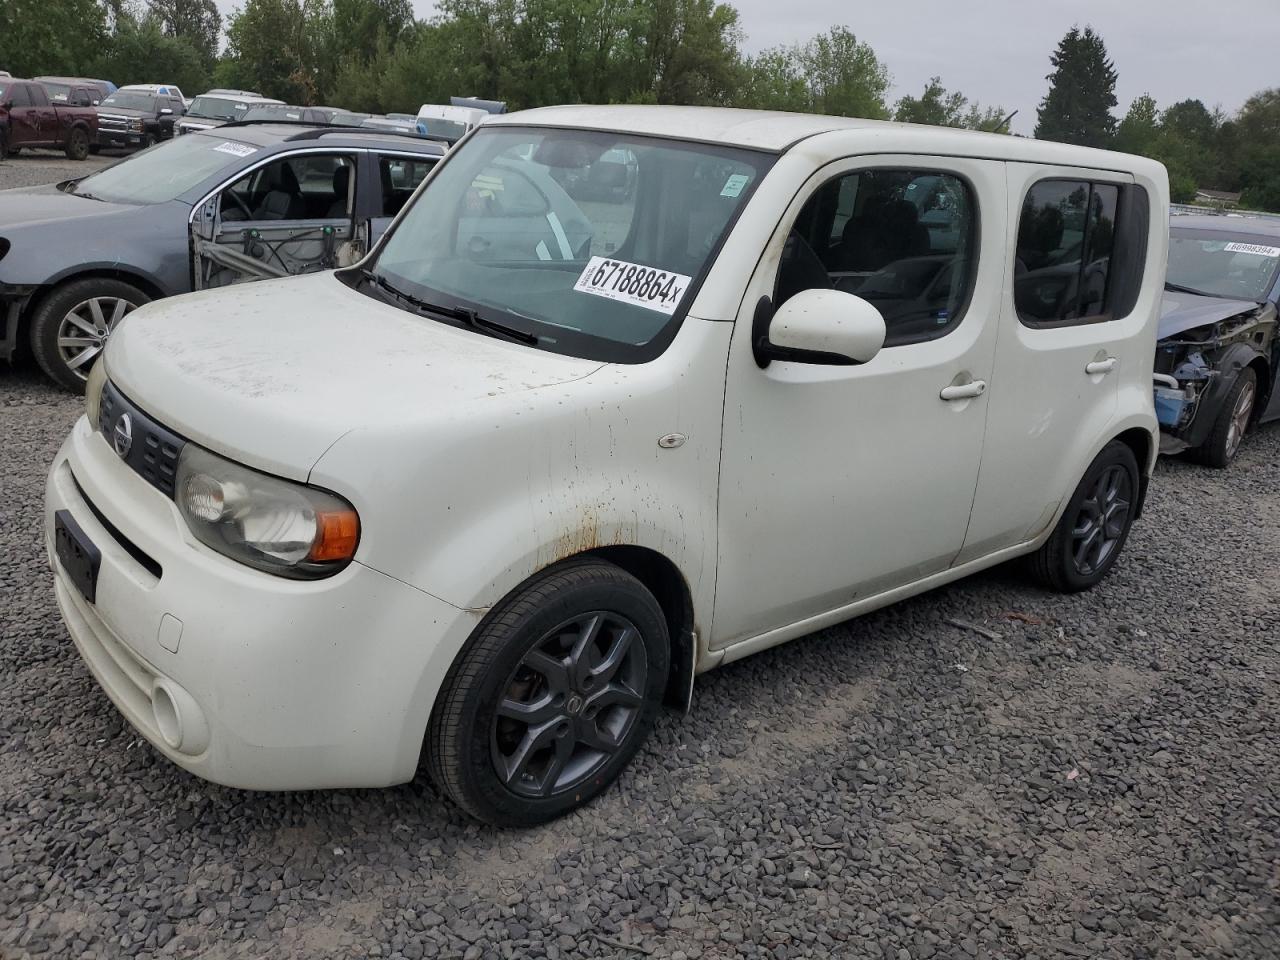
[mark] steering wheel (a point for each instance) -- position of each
(244, 207)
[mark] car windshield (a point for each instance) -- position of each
(130, 101)
(274, 112)
(590, 242)
(1224, 264)
(215, 108)
(435, 127)
(165, 171)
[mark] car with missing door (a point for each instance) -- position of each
(498, 491)
(209, 209)
(1218, 355)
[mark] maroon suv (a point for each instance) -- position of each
(28, 119)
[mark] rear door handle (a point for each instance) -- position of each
(1100, 366)
(964, 391)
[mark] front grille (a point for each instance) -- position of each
(150, 449)
(114, 124)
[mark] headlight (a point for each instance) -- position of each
(137, 125)
(93, 392)
(263, 521)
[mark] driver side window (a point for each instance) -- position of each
(904, 240)
(301, 187)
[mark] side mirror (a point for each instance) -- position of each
(8, 104)
(817, 326)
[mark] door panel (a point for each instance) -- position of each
(1045, 408)
(838, 483)
(291, 216)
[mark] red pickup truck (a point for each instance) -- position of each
(28, 119)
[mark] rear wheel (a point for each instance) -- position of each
(4, 145)
(554, 694)
(1087, 541)
(71, 327)
(1232, 423)
(77, 144)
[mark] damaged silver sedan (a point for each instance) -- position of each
(1218, 350)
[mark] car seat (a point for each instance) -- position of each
(284, 200)
(341, 187)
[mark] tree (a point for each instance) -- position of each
(49, 36)
(141, 52)
(1082, 92)
(939, 108)
(281, 48)
(195, 21)
(1140, 128)
(1256, 134)
(834, 73)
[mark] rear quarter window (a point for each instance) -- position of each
(1080, 253)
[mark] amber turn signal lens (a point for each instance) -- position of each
(337, 533)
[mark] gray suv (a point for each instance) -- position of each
(234, 204)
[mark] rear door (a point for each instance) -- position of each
(1063, 341)
(395, 176)
(24, 120)
(288, 215)
(44, 115)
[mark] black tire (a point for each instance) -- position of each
(4, 145)
(77, 144)
(59, 361)
(148, 141)
(467, 739)
(1232, 423)
(95, 149)
(1093, 529)
(14, 151)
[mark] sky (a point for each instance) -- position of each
(997, 51)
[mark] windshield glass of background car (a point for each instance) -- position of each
(130, 101)
(1239, 266)
(165, 171)
(57, 91)
(214, 108)
(591, 241)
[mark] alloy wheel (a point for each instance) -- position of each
(1240, 419)
(1102, 521)
(85, 328)
(570, 704)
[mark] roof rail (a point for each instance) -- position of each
(313, 130)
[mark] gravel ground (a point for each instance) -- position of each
(1096, 778)
(1100, 780)
(34, 167)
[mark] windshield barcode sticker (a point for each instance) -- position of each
(1257, 249)
(632, 283)
(235, 149)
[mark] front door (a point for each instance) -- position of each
(840, 482)
(289, 216)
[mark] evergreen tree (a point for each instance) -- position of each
(1082, 91)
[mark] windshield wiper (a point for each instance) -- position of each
(465, 315)
(1179, 288)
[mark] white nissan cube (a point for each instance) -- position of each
(623, 394)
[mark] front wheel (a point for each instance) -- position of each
(1087, 541)
(555, 692)
(1232, 422)
(72, 325)
(77, 144)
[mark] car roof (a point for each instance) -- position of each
(271, 134)
(1218, 223)
(777, 132)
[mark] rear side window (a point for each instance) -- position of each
(18, 94)
(1066, 266)
(400, 176)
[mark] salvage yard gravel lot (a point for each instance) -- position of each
(985, 771)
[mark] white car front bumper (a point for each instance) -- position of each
(241, 677)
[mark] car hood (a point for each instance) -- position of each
(1180, 312)
(126, 112)
(28, 206)
(273, 373)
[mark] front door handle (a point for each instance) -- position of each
(1100, 366)
(964, 391)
